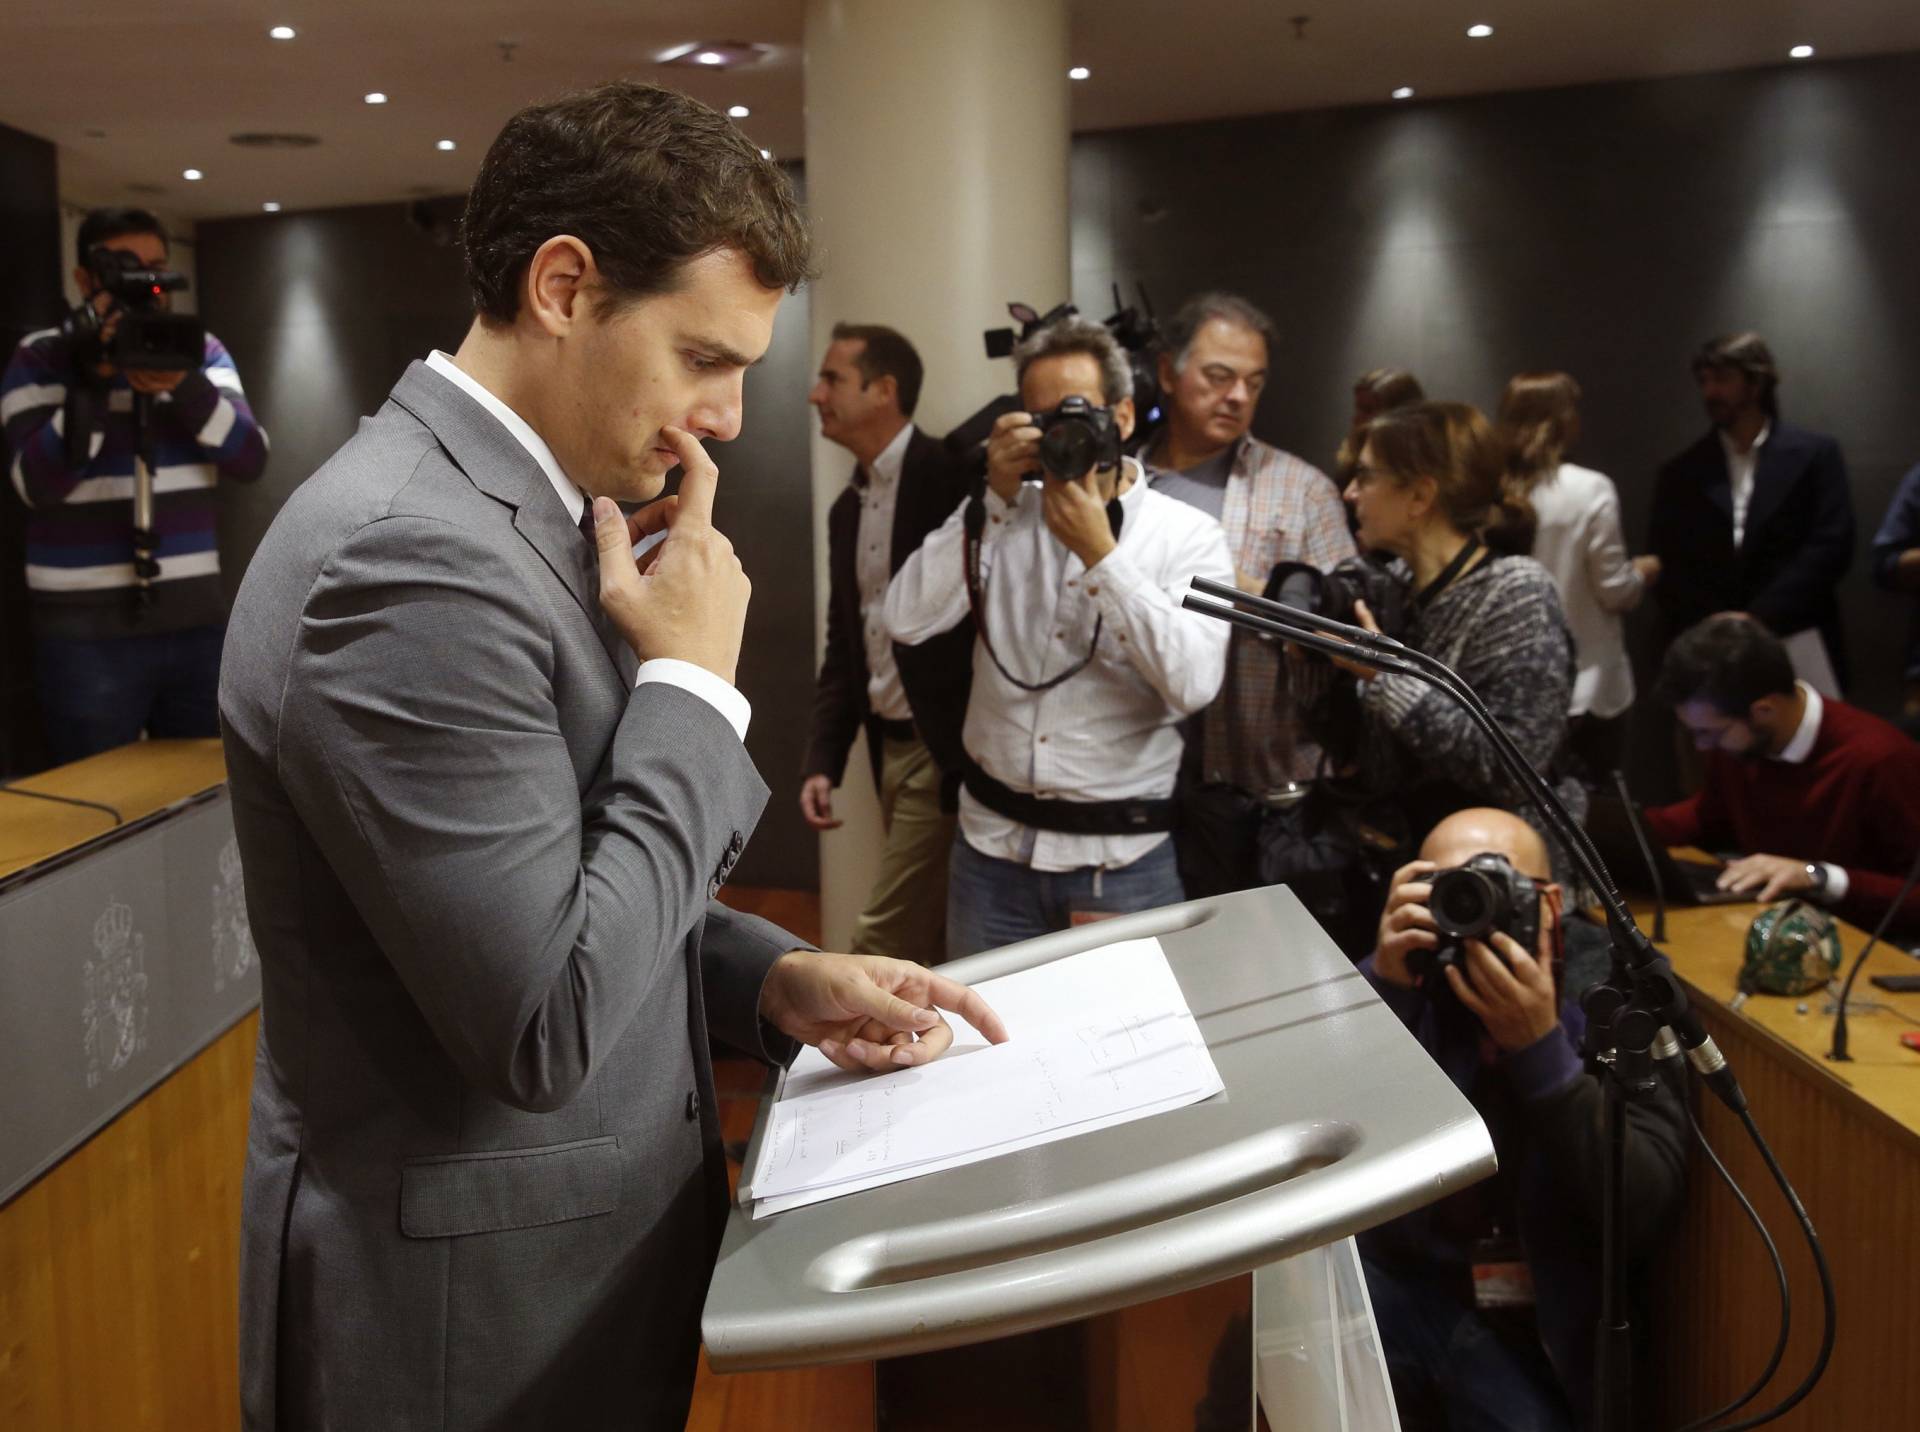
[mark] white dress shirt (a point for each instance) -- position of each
(1108, 732)
(1578, 541)
(1740, 469)
(873, 569)
(1795, 753)
(714, 690)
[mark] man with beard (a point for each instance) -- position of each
(1833, 788)
(1756, 516)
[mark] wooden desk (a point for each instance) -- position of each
(136, 780)
(1848, 1136)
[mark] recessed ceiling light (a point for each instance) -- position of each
(376, 98)
(191, 174)
(739, 111)
(446, 145)
(271, 207)
(1801, 52)
(1479, 32)
(1404, 92)
(281, 32)
(716, 54)
(766, 154)
(709, 57)
(1079, 72)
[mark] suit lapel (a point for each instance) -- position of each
(1773, 476)
(496, 463)
(1716, 481)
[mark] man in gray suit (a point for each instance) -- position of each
(488, 777)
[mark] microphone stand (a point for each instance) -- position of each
(1838, 1053)
(146, 568)
(1638, 1015)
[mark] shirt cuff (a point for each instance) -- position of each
(720, 695)
(1837, 885)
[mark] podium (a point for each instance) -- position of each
(1052, 1284)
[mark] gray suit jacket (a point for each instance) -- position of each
(484, 1183)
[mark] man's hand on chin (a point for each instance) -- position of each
(868, 1013)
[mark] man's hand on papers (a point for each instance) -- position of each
(868, 1013)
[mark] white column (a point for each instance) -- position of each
(936, 175)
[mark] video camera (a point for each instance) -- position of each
(1133, 328)
(147, 336)
(1470, 902)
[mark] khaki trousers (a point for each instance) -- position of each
(906, 914)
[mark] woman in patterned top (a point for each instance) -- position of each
(1428, 489)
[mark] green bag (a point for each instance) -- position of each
(1791, 948)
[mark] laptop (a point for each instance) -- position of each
(1682, 882)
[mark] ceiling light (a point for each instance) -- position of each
(1404, 92)
(709, 57)
(446, 146)
(1801, 52)
(1079, 72)
(766, 154)
(716, 54)
(281, 32)
(191, 174)
(739, 111)
(270, 207)
(1479, 32)
(376, 98)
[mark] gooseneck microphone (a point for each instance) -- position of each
(1637, 1016)
(1838, 1053)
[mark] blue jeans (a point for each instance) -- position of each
(96, 695)
(1450, 1370)
(994, 902)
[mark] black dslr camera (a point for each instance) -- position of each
(1077, 437)
(1332, 593)
(147, 337)
(1470, 902)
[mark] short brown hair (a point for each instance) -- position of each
(1455, 445)
(646, 178)
(885, 353)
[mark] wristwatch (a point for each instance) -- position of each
(1817, 878)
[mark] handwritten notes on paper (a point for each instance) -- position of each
(1098, 1039)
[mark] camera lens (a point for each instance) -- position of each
(1068, 448)
(1464, 904)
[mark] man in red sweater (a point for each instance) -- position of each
(1837, 790)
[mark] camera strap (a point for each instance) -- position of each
(1448, 574)
(975, 525)
(1123, 817)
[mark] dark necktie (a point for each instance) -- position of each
(586, 529)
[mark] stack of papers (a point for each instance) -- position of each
(1098, 1039)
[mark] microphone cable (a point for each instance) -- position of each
(13, 790)
(1779, 1274)
(1829, 1312)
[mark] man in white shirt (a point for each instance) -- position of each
(1084, 661)
(904, 485)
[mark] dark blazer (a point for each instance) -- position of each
(484, 1180)
(1798, 540)
(936, 674)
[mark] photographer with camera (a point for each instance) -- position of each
(1427, 490)
(120, 424)
(1084, 660)
(1487, 1300)
(1246, 755)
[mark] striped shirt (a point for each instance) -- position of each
(1276, 508)
(80, 517)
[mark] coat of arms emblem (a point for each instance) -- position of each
(115, 1014)
(232, 931)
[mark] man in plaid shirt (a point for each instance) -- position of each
(1245, 750)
